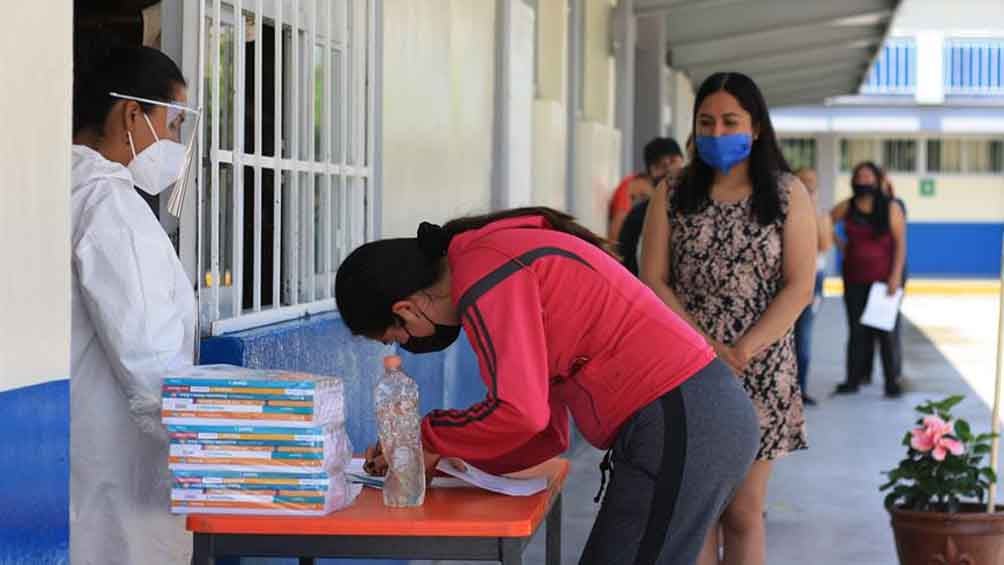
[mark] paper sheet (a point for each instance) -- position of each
(356, 474)
(881, 310)
(494, 483)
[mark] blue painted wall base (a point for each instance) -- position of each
(950, 250)
(34, 469)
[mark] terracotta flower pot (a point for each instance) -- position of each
(970, 537)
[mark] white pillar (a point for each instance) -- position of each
(681, 104)
(650, 84)
(575, 77)
(827, 172)
(625, 43)
(931, 73)
(512, 169)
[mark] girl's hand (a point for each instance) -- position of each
(894, 282)
(375, 463)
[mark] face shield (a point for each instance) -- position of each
(182, 125)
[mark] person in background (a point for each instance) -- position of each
(732, 251)
(874, 251)
(133, 310)
(803, 326)
(630, 233)
(561, 329)
(660, 155)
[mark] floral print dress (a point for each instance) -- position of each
(726, 269)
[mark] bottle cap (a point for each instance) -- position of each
(392, 362)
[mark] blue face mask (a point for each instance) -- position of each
(725, 151)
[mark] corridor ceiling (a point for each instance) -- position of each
(797, 51)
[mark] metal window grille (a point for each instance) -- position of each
(286, 184)
(974, 66)
(856, 150)
(965, 155)
(899, 155)
(800, 152)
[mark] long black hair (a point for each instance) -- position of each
(143, 72)
(380, 273)
(879, 216)
(766, 162)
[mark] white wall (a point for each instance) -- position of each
(597, 166)
(35, 103)
(950, 16)
(682, 107)
(438, 83)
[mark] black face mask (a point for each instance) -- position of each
(443, 337)
(864, 189)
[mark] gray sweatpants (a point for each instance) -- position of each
(676, 465)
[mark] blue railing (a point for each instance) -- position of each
(974, 66)
(895, 69)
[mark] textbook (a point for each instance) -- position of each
(225, 395)
(256, 442)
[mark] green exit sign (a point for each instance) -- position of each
(927, 187)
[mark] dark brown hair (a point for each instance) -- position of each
(378, 274)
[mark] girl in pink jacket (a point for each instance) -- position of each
(560, 327)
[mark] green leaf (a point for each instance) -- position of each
(925, 409)
(989, 473)
(950, 402)
(981, 449)
(962, 430)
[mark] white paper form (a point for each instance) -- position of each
(494, 483)
(356, 474)
(881, 309)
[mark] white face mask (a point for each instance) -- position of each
(156, 168)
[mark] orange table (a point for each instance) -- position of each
(454, 523)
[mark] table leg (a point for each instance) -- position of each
(512, 551)
(553, 550)
(202, 550)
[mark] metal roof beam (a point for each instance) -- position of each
(701, 21)
(787, 61)
(810, 94)
(771, 43)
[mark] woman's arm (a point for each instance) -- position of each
(654, 269)
(897, 225)
(655, 251)
(799, 264)
(505, 325)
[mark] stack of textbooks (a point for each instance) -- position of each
(257, 442)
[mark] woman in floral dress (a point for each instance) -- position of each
(732, 250)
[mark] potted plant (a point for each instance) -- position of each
(937, 494)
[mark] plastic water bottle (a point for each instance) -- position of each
(399, 426)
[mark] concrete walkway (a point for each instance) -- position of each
(824, 506)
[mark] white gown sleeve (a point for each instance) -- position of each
(128, 285)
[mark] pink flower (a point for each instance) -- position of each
(932, 438)
(947, 445)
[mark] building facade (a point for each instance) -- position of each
(931, 113)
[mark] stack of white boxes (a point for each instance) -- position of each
(256, 442)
